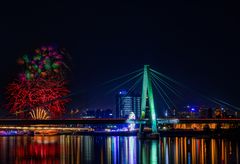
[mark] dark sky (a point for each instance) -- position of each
(196, 43)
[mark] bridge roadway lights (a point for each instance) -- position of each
(32, 128)
(159, 121)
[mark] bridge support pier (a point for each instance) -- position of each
(147, 95)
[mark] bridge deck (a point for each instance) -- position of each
(110, 121)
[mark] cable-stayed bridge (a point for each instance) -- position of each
(151, 81)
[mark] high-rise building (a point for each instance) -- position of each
(127, 103)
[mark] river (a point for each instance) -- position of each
(117, 150)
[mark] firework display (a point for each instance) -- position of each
(44, 62)
(41, 86)
(39, 114)
(29, 94)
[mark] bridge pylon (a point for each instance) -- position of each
(147, 95)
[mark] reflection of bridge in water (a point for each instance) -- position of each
(89, 149)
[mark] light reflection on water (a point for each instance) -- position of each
(119, 150)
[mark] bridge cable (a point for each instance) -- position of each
(164, 93)
(159, 92)
(226, 103)
(214, 100)
(134, 85)
(121, 77)
(132, 78)
(168, 86)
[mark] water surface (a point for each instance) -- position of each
(117, 150)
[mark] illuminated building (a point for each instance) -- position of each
(125, 104)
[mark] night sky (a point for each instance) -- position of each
(196, 43)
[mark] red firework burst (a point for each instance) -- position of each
(24, 95)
